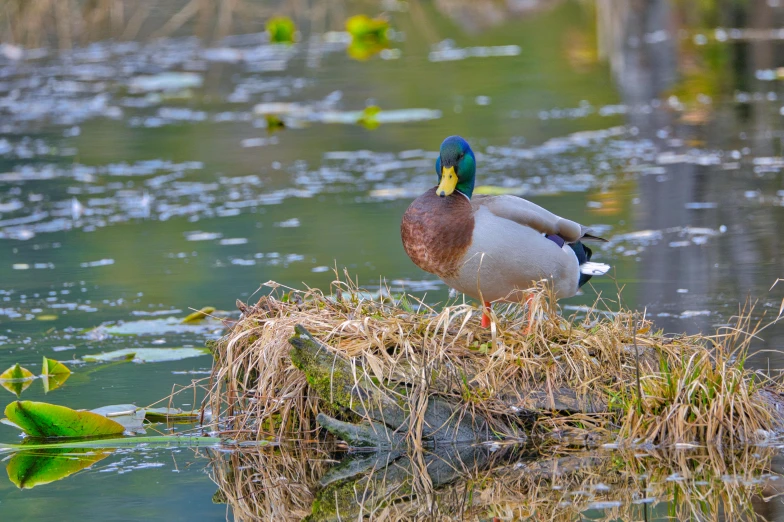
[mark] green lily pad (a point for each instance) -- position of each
(16, 386)
(16, 373)
(16, 379)
(199, 316)
(40, 419)
(369, 117)
(171, 415)
(126, 442)
(142, 355)
(53, 382)
(52, 367)
(28, 469)
(281, 29)
(362, 27)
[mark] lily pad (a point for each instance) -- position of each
(126, 442)
(142, 355)
(28, 469)
(16, 373)
(53, 382)
(199, 316)
(281, 29)
(52, 367)
(362, 27)
(129, 415)
(16, 379)
(16, 386)
(369, 117)
(170, 415)
(168, 325)
(40, 419)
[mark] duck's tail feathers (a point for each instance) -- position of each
(594, 269)
(588, 268)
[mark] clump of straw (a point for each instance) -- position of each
(607, 373)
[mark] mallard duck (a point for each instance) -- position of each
(492, 248)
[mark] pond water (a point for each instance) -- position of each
(140, 179)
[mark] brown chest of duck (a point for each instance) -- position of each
(492, 248)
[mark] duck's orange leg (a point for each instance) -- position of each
(530, 322)
(486, 315)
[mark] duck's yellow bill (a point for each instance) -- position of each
(448, 182)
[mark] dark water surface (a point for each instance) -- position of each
(129, 194)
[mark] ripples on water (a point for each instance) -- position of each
(141, 178)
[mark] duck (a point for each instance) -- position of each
(493, 248)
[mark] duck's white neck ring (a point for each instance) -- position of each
(469, 199)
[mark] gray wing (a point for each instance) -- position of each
(532, 215)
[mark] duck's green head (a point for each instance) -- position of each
(456, 167)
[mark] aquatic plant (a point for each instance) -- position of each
(604, 375)
(281, 29)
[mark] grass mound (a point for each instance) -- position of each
(605, 373)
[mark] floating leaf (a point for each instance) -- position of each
(369, 117)
(16, 379)
(172, 325)
(28, 469)
(40, 419)
(54, 381)
(16, 387)
(16, 373)
(196, 317)
(281, 29)
(55, 374)
(142, 355)
(129, 415)
(362, 50)
(274, 122)
(171, 415)
(362, 27)
(52, 367)
(125, 442)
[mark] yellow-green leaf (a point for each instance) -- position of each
(281, 29)
(362, 27)
(40, 419)
(52, 382)
(369, 117)
(195, 317)
(28, 469)
(16, 386)
(52, 367)
(16, 373)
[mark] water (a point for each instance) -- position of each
(138, 180)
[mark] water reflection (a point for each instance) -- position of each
(492, 483)
(139, 176)
(686, 186)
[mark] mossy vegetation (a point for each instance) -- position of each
(605, 375)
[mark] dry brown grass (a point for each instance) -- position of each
(700, 484)
(693, 388)
(269, 483)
